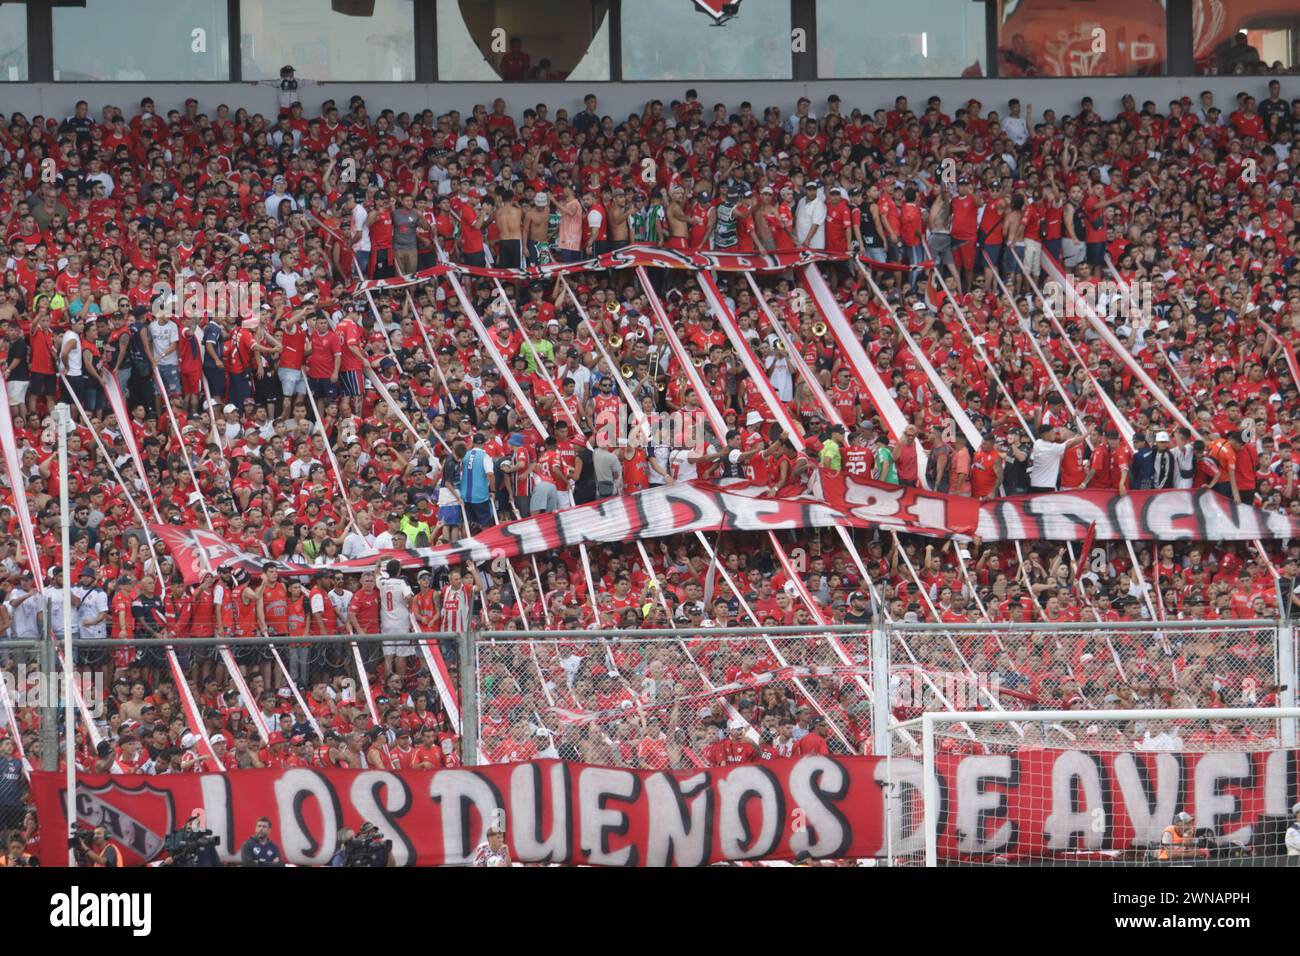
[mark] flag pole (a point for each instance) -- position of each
(63, 423)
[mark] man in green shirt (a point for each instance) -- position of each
(831, 456)
(413, 525)
(540, 344)
(886, 469)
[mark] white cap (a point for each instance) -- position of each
(230, 408)
(736, 724)
(753, 418)
(1162, 436)
(189, 740)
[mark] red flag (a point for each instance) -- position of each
(1088, 538)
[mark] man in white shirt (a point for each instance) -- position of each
(288, 276)
(802, 111)
(395, 616)
(360, 221)
(471, 138)
(279, 194)
(1045, 459)
(24, 605)
(810, 218)
(356, 544)
(164, 343)
(91, 603)
(340, 599)
(54, 601)
(1016, 126)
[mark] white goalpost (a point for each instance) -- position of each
(1144, 787)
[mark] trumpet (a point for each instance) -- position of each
(779, 345)
(698, 361)
(627, 371)
(612, 308)
(819, 329)
(615, 341)
(661, 385)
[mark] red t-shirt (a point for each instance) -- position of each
(320, 363)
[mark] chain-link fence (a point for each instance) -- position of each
(360, 694)
(1084, 667)
(695, 699)
(679, 701)
(1123, 785)
(702, 699)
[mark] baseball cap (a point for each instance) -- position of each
(1162, 436)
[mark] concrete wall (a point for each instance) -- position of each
(618, 99)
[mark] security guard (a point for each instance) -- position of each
(258, 850)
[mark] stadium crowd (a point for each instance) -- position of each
(123, 227)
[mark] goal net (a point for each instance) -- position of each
(1134, 787)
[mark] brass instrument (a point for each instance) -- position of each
(819, 329)
(612, 308)
(779, 345)
(627, 371)
(662, 385)
(615, 341)
(698, 362)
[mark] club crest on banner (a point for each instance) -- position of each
(138, 817)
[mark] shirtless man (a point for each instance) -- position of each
(536, 219)
(619, 210)
(509, 218)
(679, 219)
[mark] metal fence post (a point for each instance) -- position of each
(469, 696)
(880, 712)
(47, 660)
(1286, 676)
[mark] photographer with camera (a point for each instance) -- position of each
(192, 846)
(366, 847)
(258, 850)
(16, 855)
(1180, 842)
(99, 850)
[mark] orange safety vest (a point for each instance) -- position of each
(1175, 837)
(121, 859)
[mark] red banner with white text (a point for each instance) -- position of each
(1174, 515)
(1024, 804)
(553, 812)
(1194, 515)
(1039, 804)
(656, 512)
(649, 257)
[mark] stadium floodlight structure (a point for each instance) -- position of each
(1089, 787)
